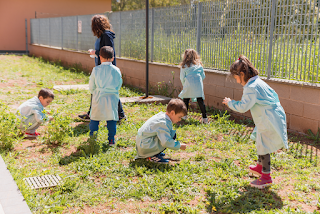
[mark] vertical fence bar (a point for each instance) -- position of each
(147, 48)
(199, 22)
(26, 21)
(61, 33)
(152, 34)
(77, 33)
(119, 34)
(39, 33)
(271, 36)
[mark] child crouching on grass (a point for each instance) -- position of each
(268, 115)
(31, 112)
(104, 85)
(157, 134)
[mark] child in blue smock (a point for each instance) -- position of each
(192, 76)
(104, 84)
(157, 133)
(268, 115)
(31, 112)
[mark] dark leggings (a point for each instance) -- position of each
(264, 160)
(120, 109)
(200, 103)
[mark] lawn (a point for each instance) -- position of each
(211, 176)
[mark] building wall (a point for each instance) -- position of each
(301, 101)
(14, 12)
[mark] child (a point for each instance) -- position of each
(192, 76)
(104, 85)
(31, 112)
(156, 134)
(101, 28)
(268, 115)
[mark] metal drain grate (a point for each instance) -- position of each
(44, 181)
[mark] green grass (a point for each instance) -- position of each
(211, 176)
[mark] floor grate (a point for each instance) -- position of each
(44, 181)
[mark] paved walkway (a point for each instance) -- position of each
(11, 199)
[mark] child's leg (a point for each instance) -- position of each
(202, 107)
(90, 106)
(112, 129)
(93, 126)
(265, 179)
(265, 162)
(32, 129)
(120, 111)
(186, 101)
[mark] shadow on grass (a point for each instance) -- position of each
(80, 129)
(151, 166)
(88, 148)
(250, 199)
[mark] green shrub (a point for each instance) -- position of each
(58, 129)
(9, 131)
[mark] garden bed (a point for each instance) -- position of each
(211, 176)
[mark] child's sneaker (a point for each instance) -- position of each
(205, 120)
(264, 181)
(162, 154)
(158, 159)
(112, 143)
(35, 134)
(256, 170)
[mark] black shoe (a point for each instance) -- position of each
(123, 118)
(84, 117)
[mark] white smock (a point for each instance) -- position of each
(192, 81)
(31, 113)
(268, 115)
(156, 135)
(104, 84)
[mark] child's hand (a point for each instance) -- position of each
(226, 100)
(183, 146)
(50, 118)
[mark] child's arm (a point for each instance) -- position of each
(202, 73)
(166, 140)
(247, 101)
(39, 115)
(182, 75)
(92, 85)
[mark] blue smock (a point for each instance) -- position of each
(156, 135)
(192, 81)
(31, 112)
(268, 115)
(104, 84)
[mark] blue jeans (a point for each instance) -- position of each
(111, 125)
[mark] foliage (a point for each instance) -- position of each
(9, 131)
(58, 129)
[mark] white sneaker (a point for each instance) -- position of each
(205, 120)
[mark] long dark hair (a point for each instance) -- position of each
(99, 24)
(245, 66)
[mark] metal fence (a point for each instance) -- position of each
(280, 37)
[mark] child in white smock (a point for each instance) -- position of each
(31, 112)
(192, 76)
(268, 115)
(104, 84)
(157, 133)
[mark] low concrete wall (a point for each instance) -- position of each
(301, 101)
